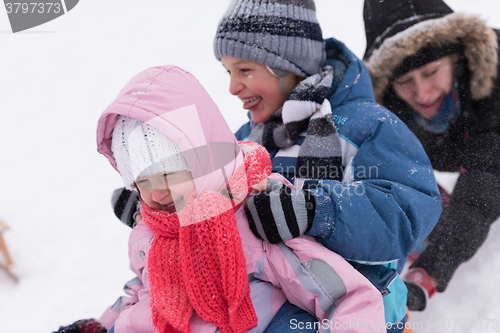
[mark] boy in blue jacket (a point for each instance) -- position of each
(364, 185)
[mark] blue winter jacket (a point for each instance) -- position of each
(388, 200)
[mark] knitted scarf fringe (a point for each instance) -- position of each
(201, 266)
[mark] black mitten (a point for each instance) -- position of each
(125, 203)
(83, 326)
(280, 213)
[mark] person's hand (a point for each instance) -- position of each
(125, 205)
(261, 186)
(83, 326)
(278, 213)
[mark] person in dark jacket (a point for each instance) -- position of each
(438, 71)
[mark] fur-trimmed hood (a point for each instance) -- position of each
(479, 43)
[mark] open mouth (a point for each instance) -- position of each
(250, 103)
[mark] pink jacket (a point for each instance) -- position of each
(300, 270)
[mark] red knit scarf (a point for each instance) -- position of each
(201, 266)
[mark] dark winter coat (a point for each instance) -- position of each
(398, 30)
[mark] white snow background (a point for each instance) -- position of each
(69, 250)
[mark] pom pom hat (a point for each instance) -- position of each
(141, 150)
(282, 34)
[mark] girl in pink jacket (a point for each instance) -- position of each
(199, 267)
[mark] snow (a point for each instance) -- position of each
(69, 250)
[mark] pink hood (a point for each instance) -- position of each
(173, 101)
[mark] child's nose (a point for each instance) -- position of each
(158, 195)
(235, 86)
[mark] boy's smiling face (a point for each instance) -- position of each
(257, 87)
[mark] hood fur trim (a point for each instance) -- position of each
(479, 42)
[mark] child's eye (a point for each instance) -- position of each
(243, 71)
(168, 175)
(142, 183)
(170, 178)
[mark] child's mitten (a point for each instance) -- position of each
(83, 326)
(125, 202)
(280, 213)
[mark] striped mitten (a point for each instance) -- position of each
(280, 213)
(125, 205)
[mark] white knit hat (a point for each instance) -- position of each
(141, 150)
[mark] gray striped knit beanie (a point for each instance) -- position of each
(283, 34)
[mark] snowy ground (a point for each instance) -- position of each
(55, 80)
